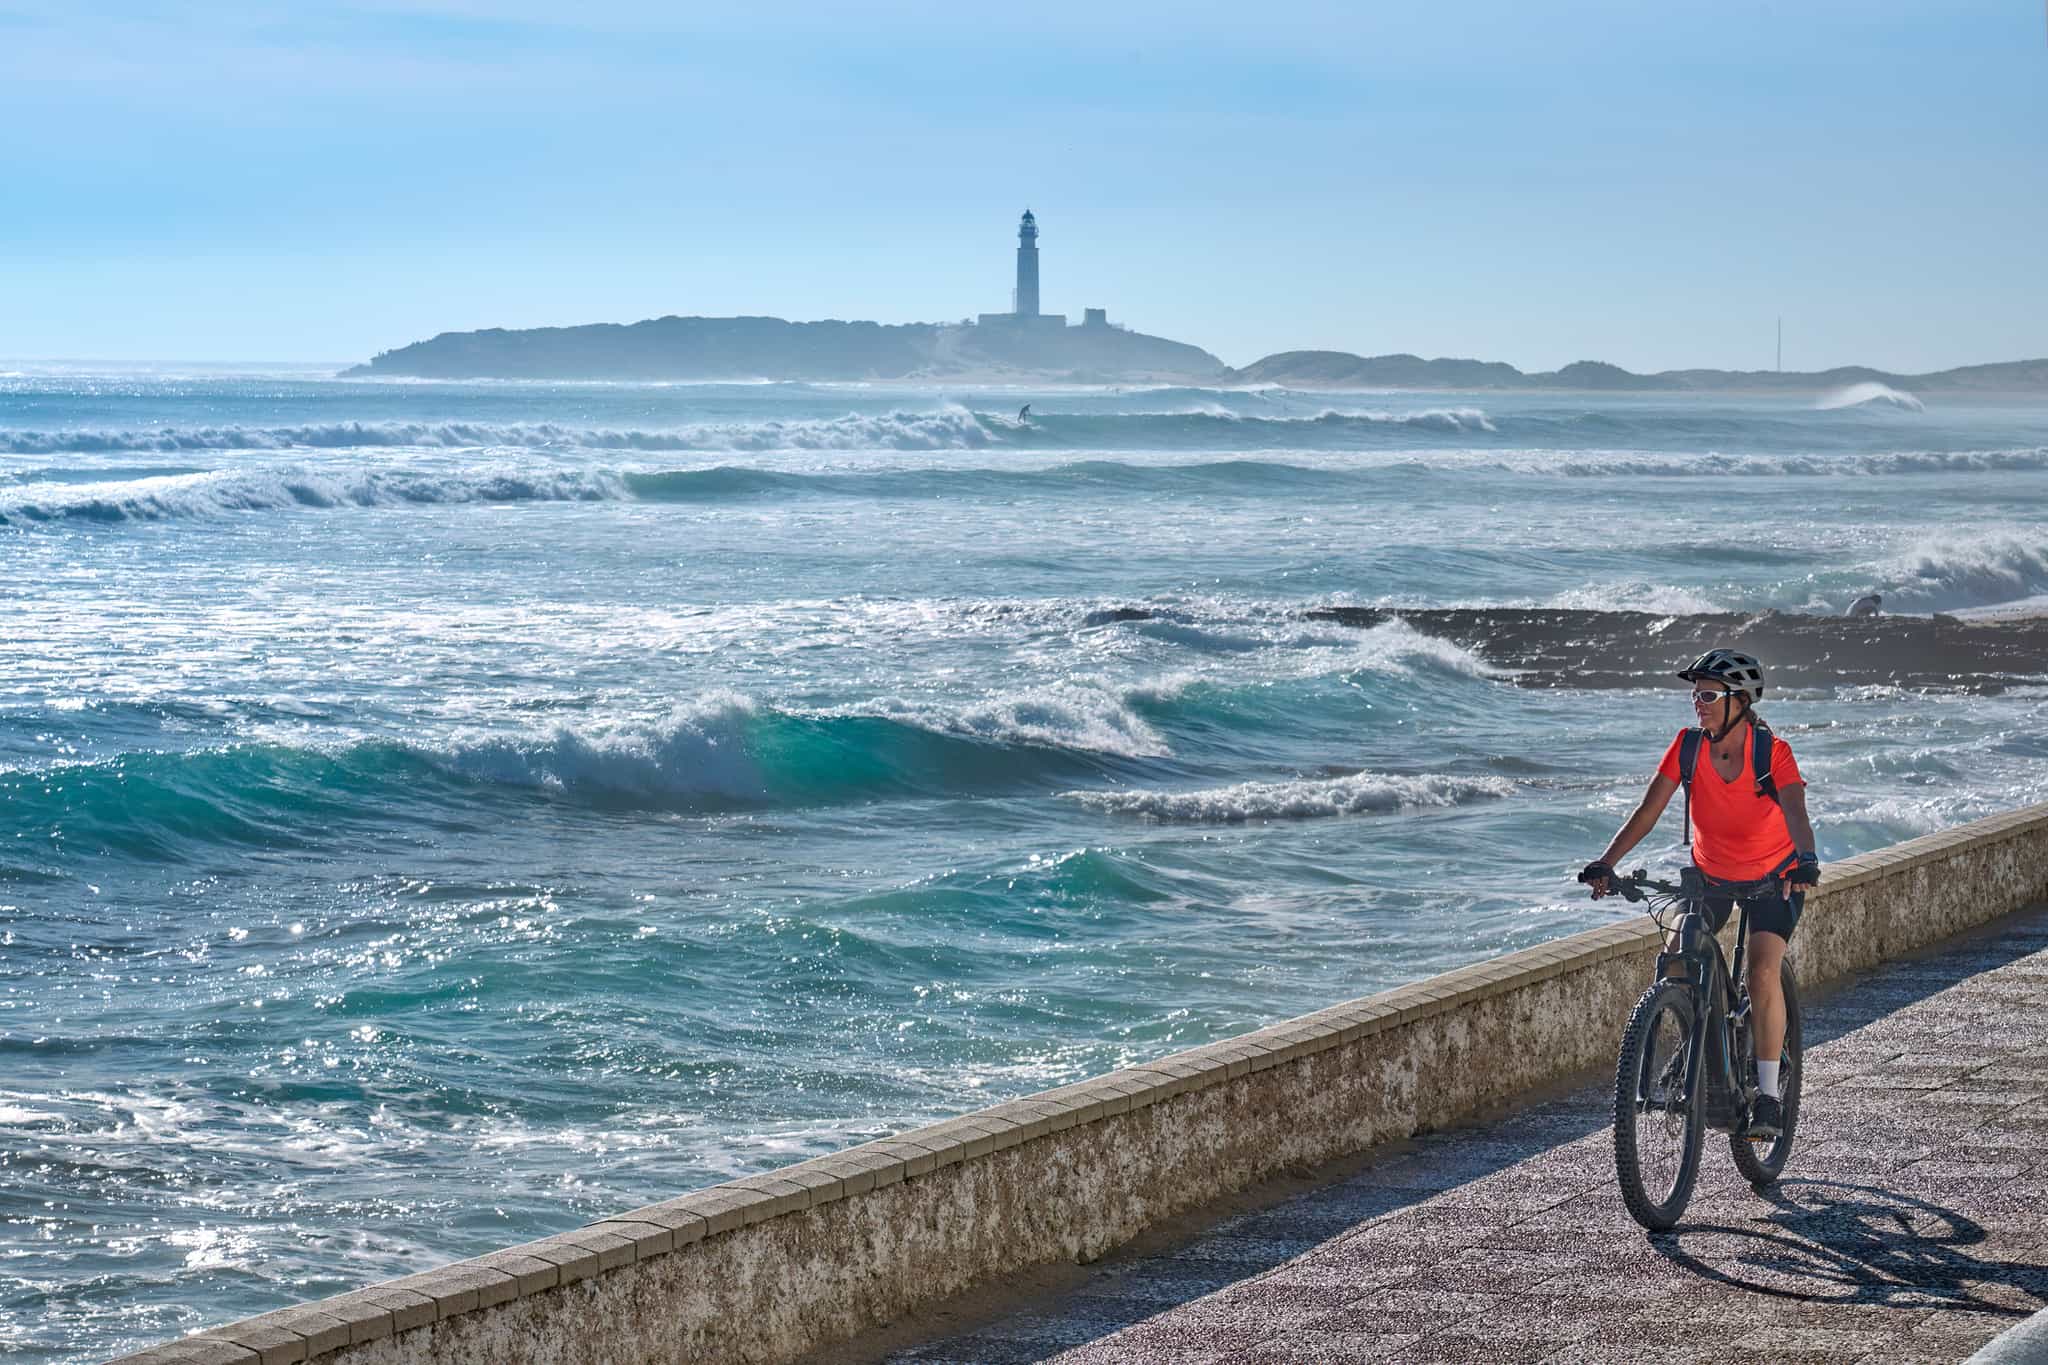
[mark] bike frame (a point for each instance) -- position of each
(1720, 998)
(1685, 1057)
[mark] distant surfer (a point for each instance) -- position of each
(1024, 415)
(1866, 606)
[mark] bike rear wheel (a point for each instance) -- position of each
(1658, 1127)
(1761, 1162)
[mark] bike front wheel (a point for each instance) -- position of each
(1658, 1124)
(1762, 1162)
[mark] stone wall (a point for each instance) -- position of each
(775, 1266)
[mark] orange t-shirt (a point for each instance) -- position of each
(1738, 835)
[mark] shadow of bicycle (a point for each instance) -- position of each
(1833, 1242)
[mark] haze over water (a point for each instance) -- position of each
(434, 815)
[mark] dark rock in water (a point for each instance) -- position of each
(1110, 616)
(1576, 648)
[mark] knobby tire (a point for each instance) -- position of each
(1664, 1011)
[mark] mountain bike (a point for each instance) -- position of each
(1686, 1059)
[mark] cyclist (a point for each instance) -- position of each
(1744, 830)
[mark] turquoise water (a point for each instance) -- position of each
(436, 815)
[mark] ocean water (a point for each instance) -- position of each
(436, 815)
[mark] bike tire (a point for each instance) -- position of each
(1762, 1164)
(1656, 1192)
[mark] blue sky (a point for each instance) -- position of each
(1647, 184)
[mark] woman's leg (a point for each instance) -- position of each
(1766, 993)
(1717, 912)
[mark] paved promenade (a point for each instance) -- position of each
(1911, 1225)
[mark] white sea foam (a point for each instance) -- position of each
(2018, 607)
(1392, 648)
(950, 428)
(707, 748)
(1436, 419)
(1303, 799)
(1982, 569)
(698, 750)
(1870, 395)
(1430, 419)
(1073, 714)
(165, 497)
(1662, 598)
(1597, 464)
(721, 746)
(1396, 646)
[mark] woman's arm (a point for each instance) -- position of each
(1792, 800)
(1637, 827)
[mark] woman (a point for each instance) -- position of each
(1747, 826)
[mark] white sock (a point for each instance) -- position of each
(1767, 1078)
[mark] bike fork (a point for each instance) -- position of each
(1696, 1050)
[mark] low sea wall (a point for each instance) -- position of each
(776, 1266)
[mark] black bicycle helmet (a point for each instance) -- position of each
(1740, 672)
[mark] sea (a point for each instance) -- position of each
(435, 815)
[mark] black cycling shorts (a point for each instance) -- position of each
(1778, 914)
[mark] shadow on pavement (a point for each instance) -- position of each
(1460, 1212)
(1832, 1242)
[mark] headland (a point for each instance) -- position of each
(1026, 345)
(1094, 352)
(756, 348)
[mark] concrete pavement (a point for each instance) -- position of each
(1911, 1225)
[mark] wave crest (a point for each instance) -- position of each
(1303, 799)
(1870, 395)
(1631, 464)
(166, 497)
(1946, 573)
(729, 748)
(948, 429)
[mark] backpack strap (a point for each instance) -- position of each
(1760, 742)
(1689, 759)
(1760, 739)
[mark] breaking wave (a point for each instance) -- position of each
(1870, 395)
(157, 494)
(1661, 598)
(721, 751)
(1598, 465)
(1947, 573)
(1303, 799)
(165, 497)
(1591, 443)
(948, 429)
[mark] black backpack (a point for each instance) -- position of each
(1759, 765)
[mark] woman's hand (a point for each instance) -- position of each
(1600, 877)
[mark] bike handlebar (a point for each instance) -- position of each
(1639, 884)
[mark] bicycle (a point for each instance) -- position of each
(1686, 1059)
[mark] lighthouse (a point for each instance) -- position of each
(1024, 312)
(1027, 266)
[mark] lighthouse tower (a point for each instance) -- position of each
(1027, 266)
(1024, 312)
